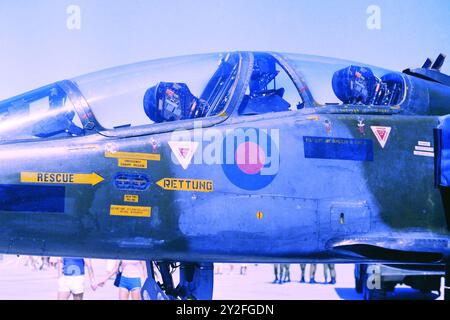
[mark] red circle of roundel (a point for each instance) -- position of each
(250, 157)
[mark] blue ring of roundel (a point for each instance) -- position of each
(241, 179)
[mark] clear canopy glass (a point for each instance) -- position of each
(160, 90)
(334, 81)
(193, 87)
(43, 113)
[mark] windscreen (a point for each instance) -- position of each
(43, 113)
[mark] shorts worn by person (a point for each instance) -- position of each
(131, 275)
(130, 281)
(71, 272)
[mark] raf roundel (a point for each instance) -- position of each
(245, 168)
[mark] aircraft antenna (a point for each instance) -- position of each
(427, 63)
(439, 62)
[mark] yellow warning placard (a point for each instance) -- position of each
(134, 155)
(186, 185)
(132, 163)
(131, 198)
(131, 211)
(60, 178)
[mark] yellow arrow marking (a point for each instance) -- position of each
(60, 178)
(186, 185)
(134, 156)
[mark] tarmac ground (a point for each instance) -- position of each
(21, 282)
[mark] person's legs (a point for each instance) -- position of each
(244, 269)
(287, 275)
(275, 270)
(325, 272)
(38, 263)
(332, 273)
(123, 294)
(302, 272)
(136, 294)
(280, 278)
(45, 263)
(63, 295)
(312, 273)
(76, 285)
(63, 289)
(33, 263)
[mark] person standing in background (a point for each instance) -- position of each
(133, 275)
(302, 272)
(329, 268)
(54, 262)
(243, 270)
(33, 262)
(287, 274)
(312, 272)
(278, 275)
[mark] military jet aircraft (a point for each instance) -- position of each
(230, 157)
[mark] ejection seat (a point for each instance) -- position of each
(356, 85)
(170, 101)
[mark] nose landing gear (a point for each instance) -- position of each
(447, 281)
(196, 281)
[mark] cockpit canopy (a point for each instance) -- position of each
(171, 101)
(193, 87)
(335, 81)
(161, 91)
(42, 113)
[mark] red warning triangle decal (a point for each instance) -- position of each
(183, 151)
(382, 134)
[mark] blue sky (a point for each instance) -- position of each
(37, 47)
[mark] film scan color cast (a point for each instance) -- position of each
(262, 159)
